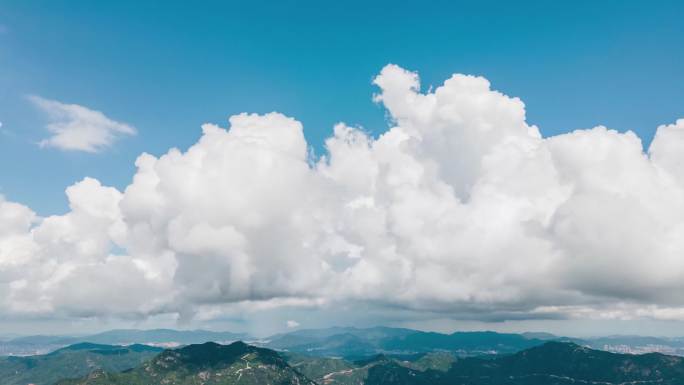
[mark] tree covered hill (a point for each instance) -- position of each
(355, 343)
(72, 361)
(207, 364)
(552, 363)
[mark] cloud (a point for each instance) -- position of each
(460, 209)
(77, 128)
(292, 324)
(6, 132)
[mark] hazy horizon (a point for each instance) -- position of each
(571, 329)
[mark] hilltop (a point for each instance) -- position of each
(72, 361)
(208, 363)
(553, 363)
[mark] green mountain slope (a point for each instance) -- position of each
(206, 364)
(72, 361)
(316, 368)
(441, 361)
(567, 362)
(354, 343)
(467, 343)
(337, 371)
(553, 363)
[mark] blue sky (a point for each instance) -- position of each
(167, 68)
(458, 217)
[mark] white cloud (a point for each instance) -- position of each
(77, 128)
(291, 324)
(460, 208)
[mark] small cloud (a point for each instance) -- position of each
(77, 128)
(5, 131)
(292, 324)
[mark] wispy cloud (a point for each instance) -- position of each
(78, 128)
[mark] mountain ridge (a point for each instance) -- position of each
(207, 363)
(552, 363)
(72, 361)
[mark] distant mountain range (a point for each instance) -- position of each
(348, 342)
(552, 363)
(163, 337)
(354, 343)
(40, 344)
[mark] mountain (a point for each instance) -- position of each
(320, 368)
(334, 371)
(31, 345)
(354, 343)
(552, 363)
(167, 337)
(337, 371)
(304, 337)
(539, 336)
(561, 363)
(72, 361)
(208, 363)
(44, 340)
(466, 343)
(441, 361)
(348, 342)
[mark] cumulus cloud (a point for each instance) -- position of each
(291, 324)
(77, 128)
(460, 208)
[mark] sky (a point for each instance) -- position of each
(260, 165)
